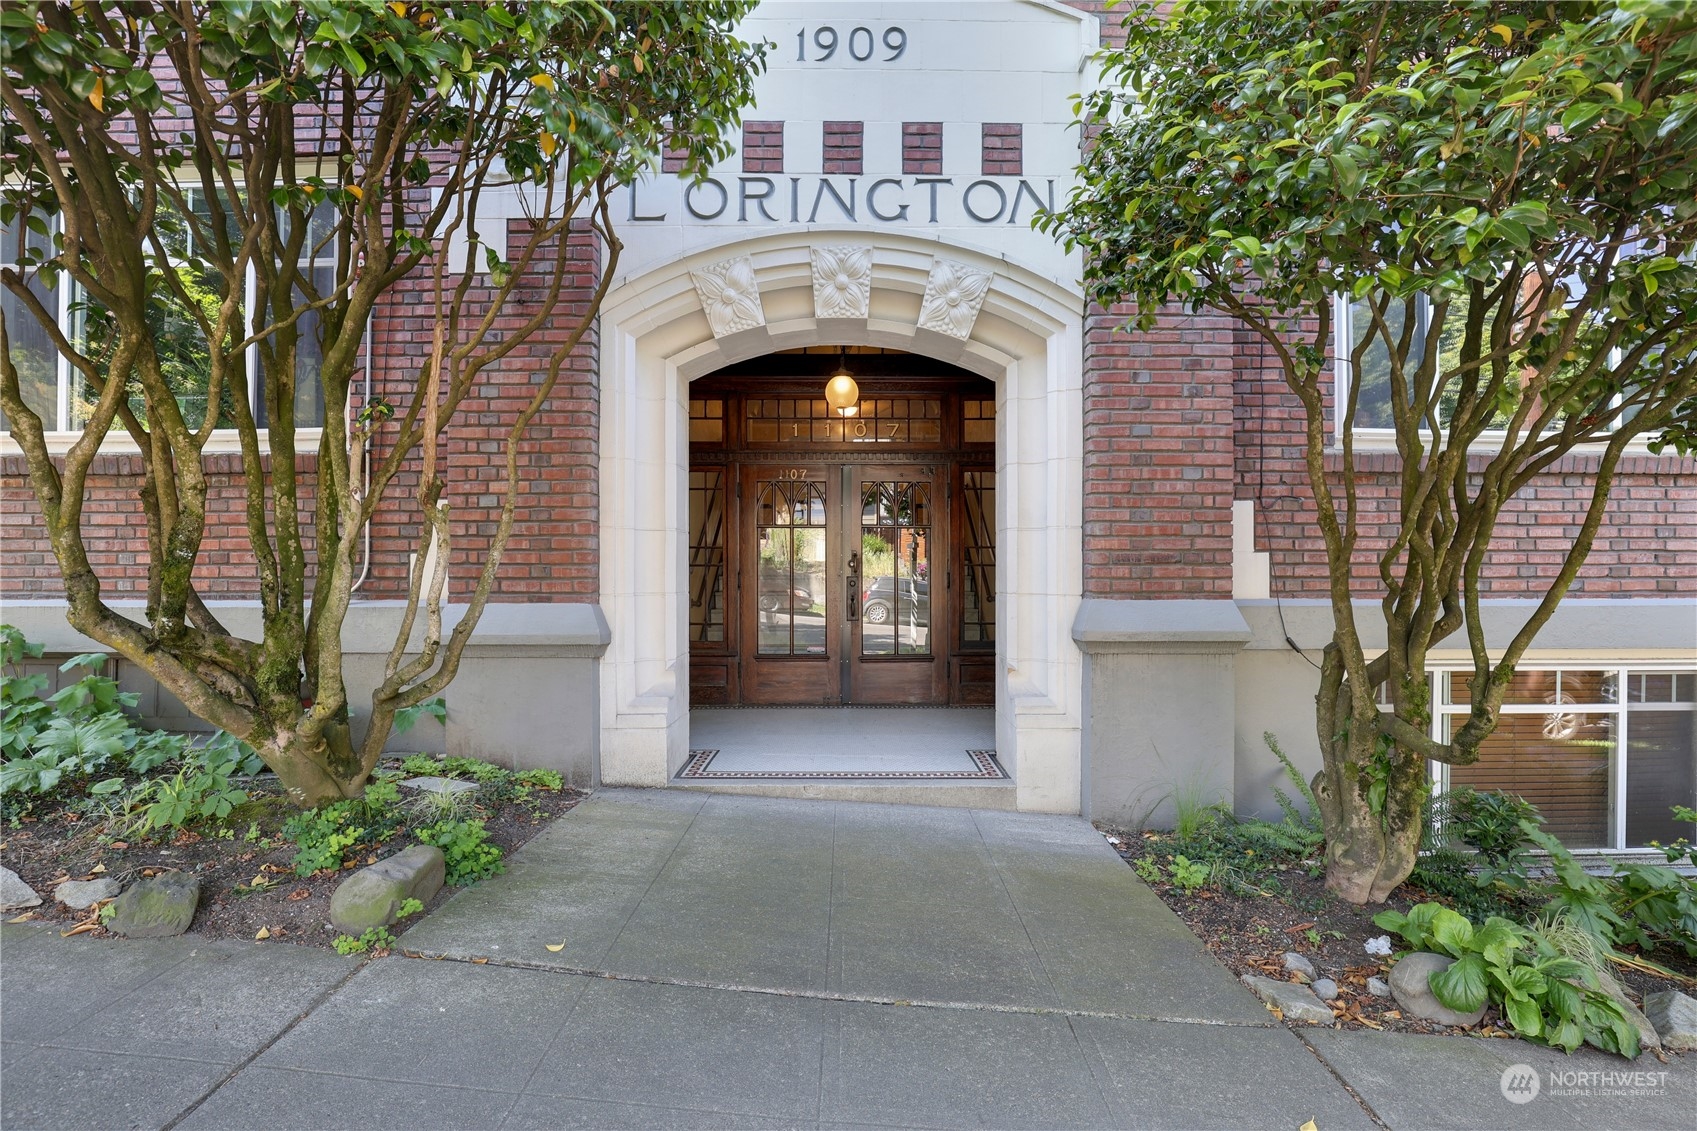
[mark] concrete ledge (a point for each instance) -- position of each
(1623, 627)
(1105, 625)
(551, 629)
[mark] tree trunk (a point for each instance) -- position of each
(313, 773)
(1371, 845)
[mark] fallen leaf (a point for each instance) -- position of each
(556, 949)
(1392, 1015)
(1298, 929)
(1309, 1126)
(299, 894)
(120, 844)
(264, 933)
(480, 962)
(258, 881)
(80, 928)
(24, 918)
(150, 871)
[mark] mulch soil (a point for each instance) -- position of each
(1250, 935)
(249, 890)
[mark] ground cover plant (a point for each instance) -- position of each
(1500, 196)
(140, 802)
(1253, 890)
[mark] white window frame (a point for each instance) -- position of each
(1442, 675)
(60, 436)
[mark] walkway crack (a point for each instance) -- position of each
(1338, 1076)
(323, 997)
(830, 995)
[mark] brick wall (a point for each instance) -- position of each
(763, 147)
(553, 553)
(1647, 546)
(922, 149)
(1002, 149)
(1158, 456)
(844, 148)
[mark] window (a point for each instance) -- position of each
(1604, 768)
(1354, 321)
(63, 397)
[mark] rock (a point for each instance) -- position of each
(1299, 965)
(1675, 1017)
(1325, 989)
(372, 896)
(79, 895)
(440, 785)
(156, 907)
(1648, 1038)
(1296, 1002)
(1378, 987)
(14, 893)
(1409, 979)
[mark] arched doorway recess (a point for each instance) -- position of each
(698, 314)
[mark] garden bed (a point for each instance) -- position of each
(249, 886)
(1279, 903)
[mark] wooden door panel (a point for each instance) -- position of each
(896, 645)
(790, 596)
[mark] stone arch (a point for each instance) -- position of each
(689, 317)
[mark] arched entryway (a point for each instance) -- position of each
(702, 314)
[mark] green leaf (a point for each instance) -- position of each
(1525, 1016)
(1461, 986)
(1452, 932)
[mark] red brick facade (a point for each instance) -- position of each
(844, 148)
(1003, 145)
(922, 149)
(763, 147)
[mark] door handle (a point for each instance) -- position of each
(853, 584)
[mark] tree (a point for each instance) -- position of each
(1503, 192)
(224, 180)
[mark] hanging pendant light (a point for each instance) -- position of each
(841, 392)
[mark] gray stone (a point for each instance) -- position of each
(1378, 987)
(1299, 965)
(1325, 989)
(1675, 1017)
(372, 896)
(1647, 1036)
(14, 893)
(1409, 979)
(1296, 1002)
(79, 895)
(440, 785)
(156, 907)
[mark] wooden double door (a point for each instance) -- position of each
(850, 584)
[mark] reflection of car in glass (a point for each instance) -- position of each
(909, 598)
(776, 593)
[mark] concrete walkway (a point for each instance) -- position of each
(747, 962)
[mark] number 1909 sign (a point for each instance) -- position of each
(861, 44)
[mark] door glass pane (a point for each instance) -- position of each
(978, 557)
(1557, 760)
(895, 552)
(790, 547)
(1660, 768)
(707, 555)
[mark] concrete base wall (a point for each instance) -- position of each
(526, 695)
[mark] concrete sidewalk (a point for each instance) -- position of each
(741, 962)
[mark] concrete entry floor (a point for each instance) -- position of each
(910, 755)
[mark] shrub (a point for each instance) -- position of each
(1546, 995)
(465, 847)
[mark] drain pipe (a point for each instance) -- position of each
(365, 461)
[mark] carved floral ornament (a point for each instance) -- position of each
(842, 288)
(842, 281)
(730, 295)
(953, 297)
